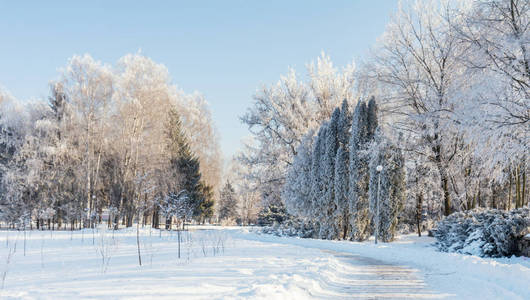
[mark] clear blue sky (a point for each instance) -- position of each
(223, 49)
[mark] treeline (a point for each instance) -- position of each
(119, 142)
(452, 85)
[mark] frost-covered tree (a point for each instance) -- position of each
(344, 125)
(318, 188)
(247, 191)
(176, 206)
(328, 228)
(341, 186)
(359, 174)
(228, 202)
(417, 64)
(297, 188)
(387, 188)
(88, 86)
(497, 33)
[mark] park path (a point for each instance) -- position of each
(358, 277)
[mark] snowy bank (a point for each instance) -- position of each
(236, 263)
(462, 276)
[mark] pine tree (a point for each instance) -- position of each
(387, 186)
(227, 202)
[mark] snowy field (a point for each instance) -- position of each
(235, 263)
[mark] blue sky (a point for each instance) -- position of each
(223, 49)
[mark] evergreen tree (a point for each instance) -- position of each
(359, 176)
(317, 186)
(57, 102)
(341, 184)
(206, 202)
(227, 202)
(371, 119)
(344, 126)
(329, 230)
(387, 186)
(185, 164)
(272, 213)
(341, 217)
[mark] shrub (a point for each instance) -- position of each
(292, 227)
(272, 213)
(483, 232)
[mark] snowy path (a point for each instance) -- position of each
(232, 263)
(363, 277)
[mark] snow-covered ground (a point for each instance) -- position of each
(236, 263)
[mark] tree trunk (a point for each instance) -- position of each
(509, 206)
(447, 199)
(419, 212)
(444, 178)
(155, 220)
(523, 197)
(138, 240)
(517, 188)
(116, 221)
(130, 217)
(344, 225)
(493, 197)
(168, 222)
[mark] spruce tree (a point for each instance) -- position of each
(206, 202)
(185, 164)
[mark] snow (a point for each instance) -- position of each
(238, 263)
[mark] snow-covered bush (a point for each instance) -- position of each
(293, 227)
(272, 213)
(483, 232)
